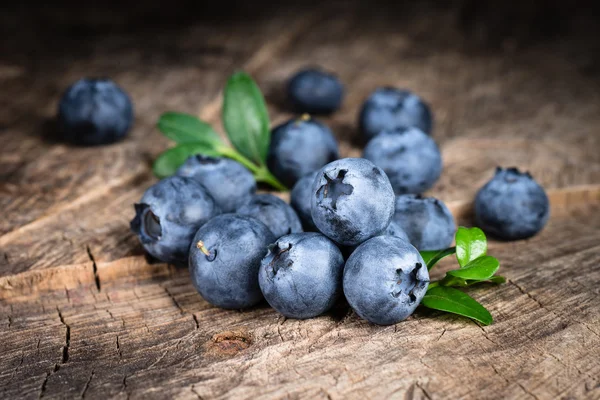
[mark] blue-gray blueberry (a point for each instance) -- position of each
(300, 200)
(298, 147)
(224, 260)
(226, 180)
(301, 275)
(389, 108)
(169, 214)
(385, 279)
(275, 213)
(315, 91)
(512, 205)
(94, 111)
(409, 157)
(427, 221)
(352, 200)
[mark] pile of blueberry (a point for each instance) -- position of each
(354, 226)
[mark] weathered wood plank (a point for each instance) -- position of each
(147, 334)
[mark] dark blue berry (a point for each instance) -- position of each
(385, 279)
(94, 112)
(298, 147)
(224, 260)
(169, 214)
(301, 275)
(512, 205)
(226, 180)
(275, 213)
(315, 91)
(409, 157)
(389, 108)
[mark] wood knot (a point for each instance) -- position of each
(230, 343)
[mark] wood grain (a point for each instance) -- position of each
(83, 314)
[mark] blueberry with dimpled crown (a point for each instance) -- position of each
(409, 157)
(300, 200)
(385, 279)
(94, 111)
(169, 214)
(275, 213)
(301, 275)
(512, 205)
(225, 256)
(226, 180)
(390, 108)
(427, 221)
(298, 147)
(352, 201)
(315, 91)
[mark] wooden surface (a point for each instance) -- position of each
(85, 315)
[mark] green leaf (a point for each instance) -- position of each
(167, 162)
(470, 244)
(186, 128)
(245, 117)
(454, 301)
(497, 279)
(431, 257)
(480, 269)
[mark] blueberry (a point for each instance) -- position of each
(409, 157)
(393, 229)
(298, 147)
(512, 205)
(169, 214)
(225, 257)
(426, 220)
(226, 180)
(94, 112)
(352, 200)
(275, 213)
(301, 275)
(300, 200)
(315, 91)
(385, 279)
(390, 108)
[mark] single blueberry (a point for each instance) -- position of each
(298, 147)
(426, 220)
(225, 257)
(300, 200)
(94, 112)
(301, 275)
(512, 205)
(393, 229)
(315, 91)
(169, 214)
(389, 108)
(352, 200)
(226, 180)
(275, 213)
(385, 279)
(409, 157)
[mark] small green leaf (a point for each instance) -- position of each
(470, 244)
(245, 117)
(431, 257)
(186, 128)
(454, 301)
(497, 279)
(480, 269)
(166, 163)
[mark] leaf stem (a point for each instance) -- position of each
(264, 175)
(230, 152)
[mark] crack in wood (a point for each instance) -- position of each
(87, 385)
(65, 349)
(119, 348)
(196, 393)
(196, 321)
(94, 267)
(418, 384)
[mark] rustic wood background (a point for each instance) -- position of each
(83, 314)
